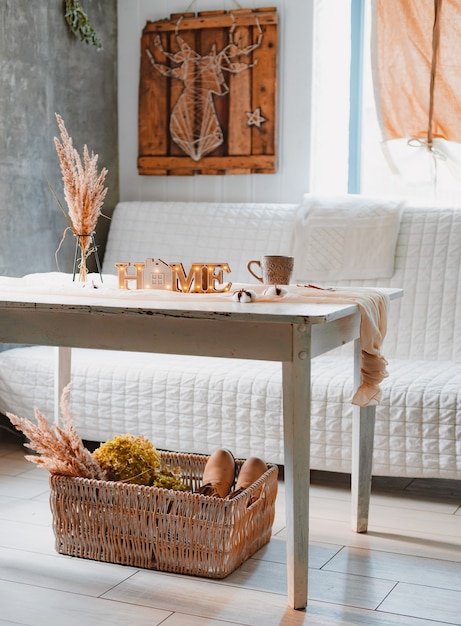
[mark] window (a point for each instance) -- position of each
(349, 158)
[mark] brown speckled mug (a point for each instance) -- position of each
(276, 269)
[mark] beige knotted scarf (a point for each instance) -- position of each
(373, 306)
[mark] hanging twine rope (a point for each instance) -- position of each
(435, 49)
(428, 141)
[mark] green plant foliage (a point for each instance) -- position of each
(80, 25)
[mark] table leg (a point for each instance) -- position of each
(62, 370)
(296, 420)
(363, 429)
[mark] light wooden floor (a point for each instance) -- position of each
(405, 572)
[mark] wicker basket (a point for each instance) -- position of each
(162, 529)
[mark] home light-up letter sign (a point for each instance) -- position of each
(156, 274)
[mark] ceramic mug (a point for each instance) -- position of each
(275, 270)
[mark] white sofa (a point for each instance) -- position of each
(237, 404)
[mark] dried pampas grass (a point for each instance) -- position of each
(84, 191)
(60, 450)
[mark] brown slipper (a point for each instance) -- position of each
(252, 469)
(219, 474)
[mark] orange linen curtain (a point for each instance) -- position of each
(417, 69)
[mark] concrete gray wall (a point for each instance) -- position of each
(45, 69)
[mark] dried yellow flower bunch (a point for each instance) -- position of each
(134, 459)
(129, 458)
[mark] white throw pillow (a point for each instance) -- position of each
(346, 237)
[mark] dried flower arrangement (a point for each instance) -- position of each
(124, 458)
(84, 192)
(60, 450)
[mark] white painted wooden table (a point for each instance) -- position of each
(291, 333)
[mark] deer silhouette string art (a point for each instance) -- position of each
(194, 125)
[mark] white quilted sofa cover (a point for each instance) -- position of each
(196, 404)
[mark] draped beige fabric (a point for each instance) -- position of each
(417, 68)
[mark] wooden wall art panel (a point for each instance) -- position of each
(208, 94)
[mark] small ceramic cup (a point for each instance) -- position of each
(275, 270)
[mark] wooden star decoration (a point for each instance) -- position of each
(255, 118)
